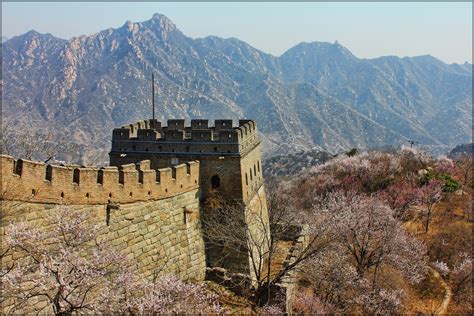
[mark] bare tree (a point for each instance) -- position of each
(35, 144)
(260, 237)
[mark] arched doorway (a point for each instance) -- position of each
(215, 182)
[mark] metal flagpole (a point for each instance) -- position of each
(153, 93)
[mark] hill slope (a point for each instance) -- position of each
(314, 95)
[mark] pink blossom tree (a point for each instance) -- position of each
(400, 196)
(67, 267)
(427, 197)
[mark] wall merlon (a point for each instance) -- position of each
(128, 167)
(249, 124)
(176, 124)
(223, 124)
(165, 175)
(199, 124)
(180, 171)
(121, 133)
(143, 165)
(147, 134)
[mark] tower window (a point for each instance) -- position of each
(254, 170)
(49, 173)
(246, 179)
(158, 176)
(121, 177)
(251, 178)
(215, 182)
(18, 167)
(100, 176)
(75, 176)
(258, 166)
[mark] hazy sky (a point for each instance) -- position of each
(443, 30)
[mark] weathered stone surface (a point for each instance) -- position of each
(152, 241)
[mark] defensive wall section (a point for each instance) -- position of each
(39, 182)
(152, 216)
(150, 198)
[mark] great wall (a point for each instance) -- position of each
(151, 196)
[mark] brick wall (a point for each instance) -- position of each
(159, 235)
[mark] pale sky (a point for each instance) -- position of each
(368, 30)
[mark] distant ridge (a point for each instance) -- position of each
(315, 95)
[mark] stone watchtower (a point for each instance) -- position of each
(230, 160)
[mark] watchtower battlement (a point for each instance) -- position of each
(149, 136)
(72, 184)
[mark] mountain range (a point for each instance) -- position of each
(314, 96)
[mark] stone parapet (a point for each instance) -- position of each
(25, 180)
(176, 137)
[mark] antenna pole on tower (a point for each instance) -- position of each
(153, 93)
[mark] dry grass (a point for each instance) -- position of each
(450, 234)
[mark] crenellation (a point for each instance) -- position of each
(176, 131)
(38, 182)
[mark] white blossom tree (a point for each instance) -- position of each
(367, 239)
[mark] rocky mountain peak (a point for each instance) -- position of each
(161, 23)
(319, 50)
